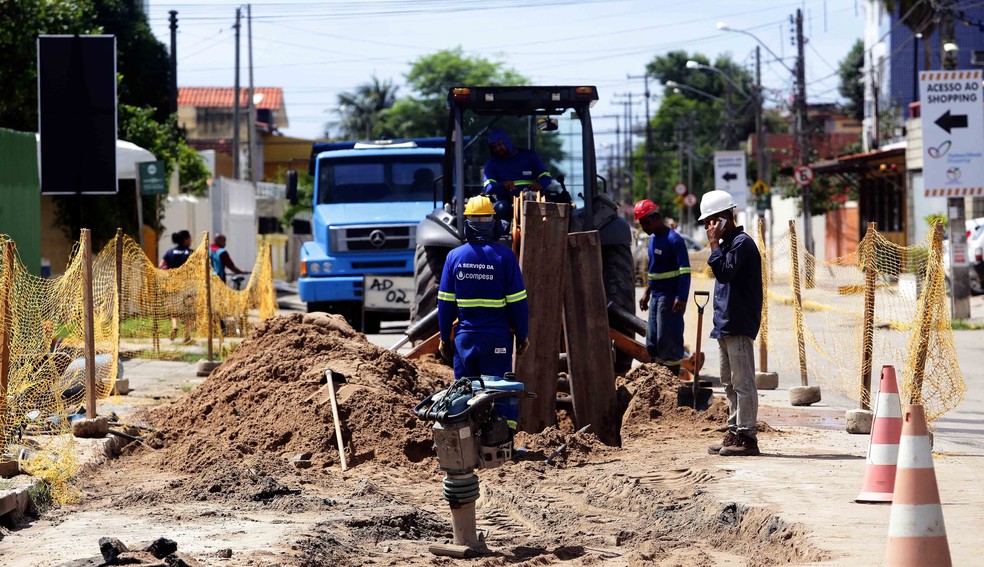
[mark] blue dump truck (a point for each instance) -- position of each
(369, 198)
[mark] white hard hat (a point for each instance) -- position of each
(714, 202)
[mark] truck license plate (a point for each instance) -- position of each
(387, 293)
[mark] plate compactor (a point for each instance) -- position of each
(474, 422)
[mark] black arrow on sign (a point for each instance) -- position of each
(948, 121)
(730, 176)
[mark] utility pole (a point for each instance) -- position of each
(250, 103)
(649, 135)
(761, 167)
(235, 104)
(174, 61)
(628, 138)
(956, 206)
(801, 129)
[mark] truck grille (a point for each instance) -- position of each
(373, 238)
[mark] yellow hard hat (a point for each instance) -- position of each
(479, 205)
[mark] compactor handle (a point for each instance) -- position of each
(700, 299)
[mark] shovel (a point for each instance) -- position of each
(697, 394)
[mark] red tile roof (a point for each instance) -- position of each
(222, 97)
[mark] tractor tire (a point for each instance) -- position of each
(428, 263)
(619, 275)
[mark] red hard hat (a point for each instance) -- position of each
(645, 207)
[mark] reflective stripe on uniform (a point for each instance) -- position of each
(512, 423)
(445, 296)
(547, 173)
(668, 275)
(514, 297)
(489, 182)
(477, 302)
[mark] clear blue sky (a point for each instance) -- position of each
(316, 49)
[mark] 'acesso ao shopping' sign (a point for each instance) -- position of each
(953, 133)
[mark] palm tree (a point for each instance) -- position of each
(362, 108)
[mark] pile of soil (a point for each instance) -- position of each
(648, 399)
(581, 447)
(270, 399)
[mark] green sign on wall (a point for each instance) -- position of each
(153, 180)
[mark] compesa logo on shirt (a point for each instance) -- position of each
(500, 350)
(527, 173)
(470, 271)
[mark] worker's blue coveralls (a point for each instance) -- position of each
(669, 279)
(483, 287)
(522, 167)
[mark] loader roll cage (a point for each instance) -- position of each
(516, 101)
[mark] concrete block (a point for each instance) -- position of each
(94, 428)
(859, 421)
(766, 380)
(206, 367)
(804, 395)
(121, 387)
(13, 501)
(9, 469)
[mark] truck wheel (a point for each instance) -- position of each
(428, 263)
(619, 274)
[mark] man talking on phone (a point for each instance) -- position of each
(737, 269)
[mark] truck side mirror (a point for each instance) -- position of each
(547, 124)
(292, 186)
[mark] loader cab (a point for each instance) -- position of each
(533, 118)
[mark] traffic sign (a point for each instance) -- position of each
(690, 200)
(680, 189)
(760, 188)
(729, 175)
(952, 133)
(803, 174)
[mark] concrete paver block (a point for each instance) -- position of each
(859, 421)
(206, 367)
(91, 428)
(804, 395)
(766, 380)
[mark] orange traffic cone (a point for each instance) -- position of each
(916, 534)
(883, 446)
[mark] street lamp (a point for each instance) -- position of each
(677, 86)
(721, 26)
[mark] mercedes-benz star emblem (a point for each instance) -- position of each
(377, 238)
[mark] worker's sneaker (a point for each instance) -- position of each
(730, 438)
(746, 445)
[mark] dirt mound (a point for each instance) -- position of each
(270, 399)
(648, 399)
(581, 447)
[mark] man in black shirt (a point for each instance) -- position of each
(737, 269)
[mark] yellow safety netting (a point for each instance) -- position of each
(830, 316)
(908, 327)
(138, 310)
(166, 312)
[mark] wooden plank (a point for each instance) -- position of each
(542, 260)
(88, 325)
(429, 346)
(208, 298)
(630, 346)
(589, 350)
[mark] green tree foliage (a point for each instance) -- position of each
(851, 85)
(21, 21)
(424, 112)
(363, 109)
(691, 120)
(430, 77)
(141, 61)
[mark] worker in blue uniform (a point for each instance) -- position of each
(668, 287)
(483, 288)
(511, 170)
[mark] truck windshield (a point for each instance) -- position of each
(377, 179)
